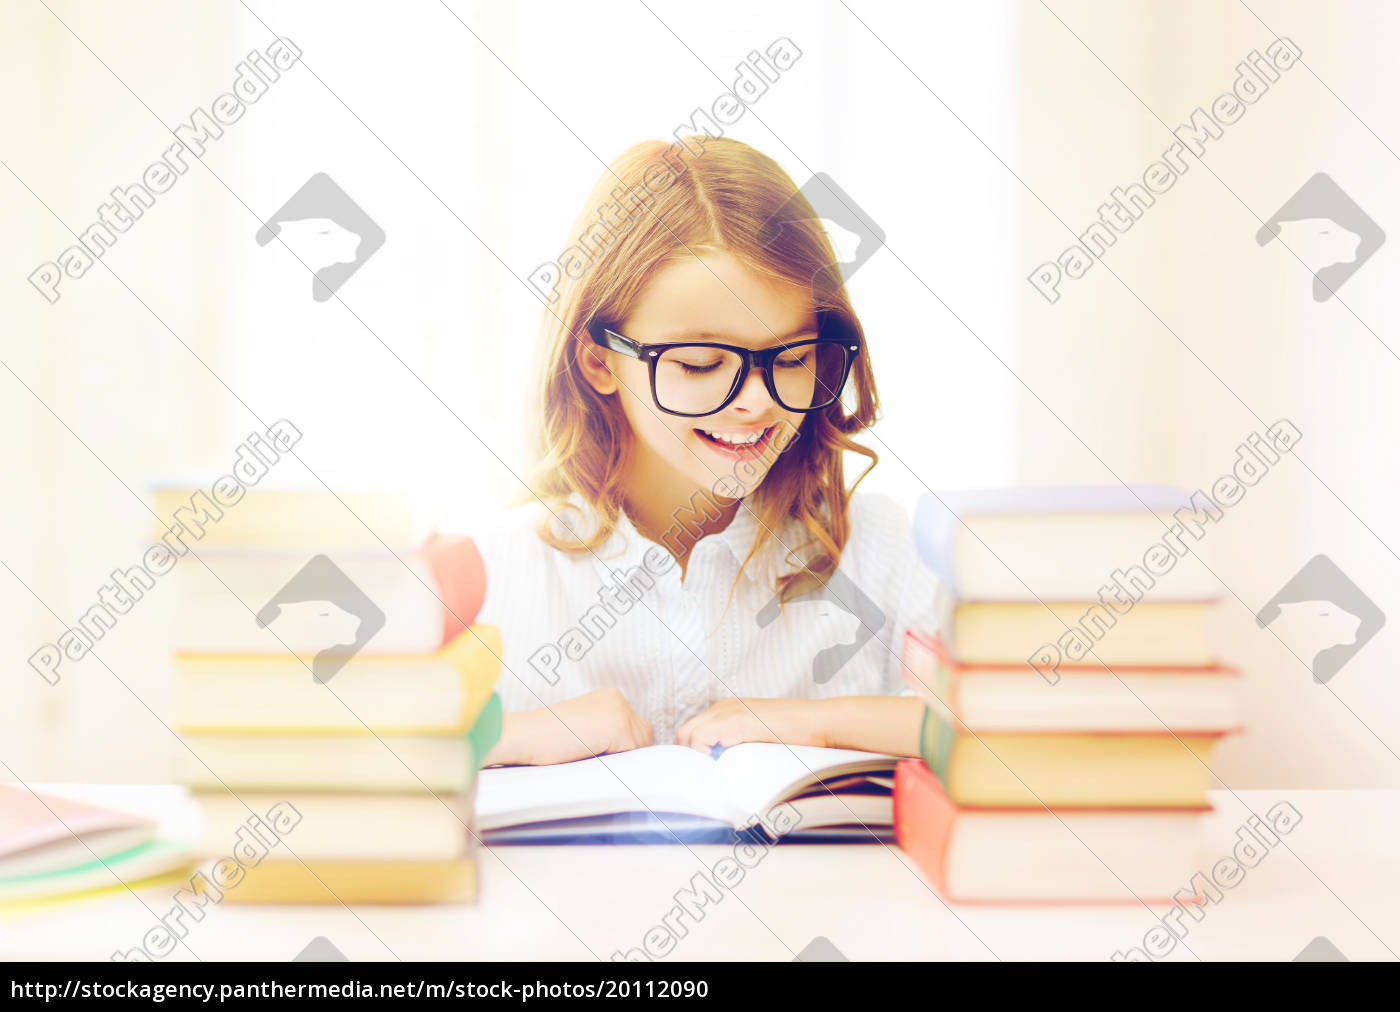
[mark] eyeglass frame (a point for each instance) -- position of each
(748, 357)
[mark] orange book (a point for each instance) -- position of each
(1040, 856)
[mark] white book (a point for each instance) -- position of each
(1081, 856)
(1061, 543)
(744, 788)
(215, 604)
(413, 826)
(351, 762)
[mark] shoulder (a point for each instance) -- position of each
(882, 545)
(879, 523)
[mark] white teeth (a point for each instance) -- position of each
(745, 440)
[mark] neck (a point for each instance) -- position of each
(671, 511)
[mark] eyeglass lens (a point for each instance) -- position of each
(696, 378)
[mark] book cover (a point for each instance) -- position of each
(333, 882)
(1028, 857)
(1087, 697)
(1098, 770)
(1058, 543)
(440, 693)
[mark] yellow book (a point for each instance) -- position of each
(433, 694)
(1157, 633)
(334, 763)
(165, 883)
(1069, 770)
(352, 882)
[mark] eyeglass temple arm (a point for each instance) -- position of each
(618, 343)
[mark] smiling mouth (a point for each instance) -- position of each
(741, 446)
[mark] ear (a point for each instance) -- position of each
(595, 362)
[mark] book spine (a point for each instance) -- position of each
(460, 574)
(924, 820)
(487, 730)
(936, 744)
(927, 672)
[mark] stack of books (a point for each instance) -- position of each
(52, 846)
(1073, 698)
(334, 713)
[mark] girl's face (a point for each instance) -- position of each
(710, 298)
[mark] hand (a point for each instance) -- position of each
(731, 721)
(592, 724)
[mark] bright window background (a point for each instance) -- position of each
(473, 148)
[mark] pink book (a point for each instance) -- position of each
(42, 834)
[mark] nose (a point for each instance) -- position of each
(753, 398)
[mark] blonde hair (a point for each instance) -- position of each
(717, 199)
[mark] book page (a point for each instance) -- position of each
(661, 778)
(758, 775)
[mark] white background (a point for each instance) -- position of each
(473, 146)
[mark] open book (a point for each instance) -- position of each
(669, 792)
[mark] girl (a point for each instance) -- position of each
(691, 566)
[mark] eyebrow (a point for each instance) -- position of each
(711, 337)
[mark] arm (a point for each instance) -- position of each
(875, 723)
(591, 724)
(870, 723)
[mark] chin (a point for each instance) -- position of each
(732, 486)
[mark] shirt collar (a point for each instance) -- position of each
(738, 538)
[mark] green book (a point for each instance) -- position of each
(487, 730)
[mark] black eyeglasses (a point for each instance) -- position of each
(700, 378)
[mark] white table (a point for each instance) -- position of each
(582, 903)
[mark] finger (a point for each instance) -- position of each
(687, 730)
(706, 733)
(642, 732)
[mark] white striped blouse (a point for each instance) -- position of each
(624, 618)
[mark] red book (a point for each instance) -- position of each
(1039, 856)
(461, 579)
